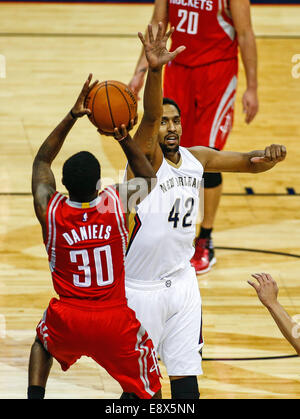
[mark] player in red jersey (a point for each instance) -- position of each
(86, 237)
(203, 81)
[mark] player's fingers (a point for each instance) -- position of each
(159, 34)
(169, 33)
(131, 124)
(141, 36)
(280, 152)
(250, 114)
(124, 130)
(177, 51)
(150, 33)
(254, 285)
(268, 153)
(269, 278)
(117, 132)
(273, 152)
(264, 277)
(93, 85)
(86, 111)
(259, 160)
(258, 277)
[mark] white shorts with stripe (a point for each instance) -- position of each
(170, 310)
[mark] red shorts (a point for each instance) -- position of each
(206, 97)
(112, 336)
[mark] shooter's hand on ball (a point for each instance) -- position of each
(79, 108)
(122, 131)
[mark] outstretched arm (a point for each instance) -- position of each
(267, 291)
(229, 161)
(157, 56)
(43, 181)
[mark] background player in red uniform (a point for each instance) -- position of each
(203, 81)
(85, 236)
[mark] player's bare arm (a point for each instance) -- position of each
(157, 56)
(267, 291)
(160, 14)
(229, 161)
(143, 176)
(43, 181)
(241, 16)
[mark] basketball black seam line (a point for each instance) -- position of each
(94, 98)
(124, 99)
(108, 102)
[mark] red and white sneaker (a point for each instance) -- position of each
(204, 256)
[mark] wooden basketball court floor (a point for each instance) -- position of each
(49, 51)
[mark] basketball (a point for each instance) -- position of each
(112, 104)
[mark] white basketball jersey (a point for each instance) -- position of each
(162, 230)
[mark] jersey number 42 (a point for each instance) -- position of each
(174, 216)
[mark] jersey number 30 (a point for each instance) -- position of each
(85, 267)
(174, 213)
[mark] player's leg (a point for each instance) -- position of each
(182, 340)
(40, 363)
(215, 110)
(132, 396)
(129, 357)
(184, 387)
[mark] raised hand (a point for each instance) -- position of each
(79, 108)
(265, 287)
(273, 154)
(156, 51)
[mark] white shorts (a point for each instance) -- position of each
(170, 310)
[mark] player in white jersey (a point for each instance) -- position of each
(161, 285)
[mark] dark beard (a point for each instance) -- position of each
(167, 150)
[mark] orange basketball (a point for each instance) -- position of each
(112, 104)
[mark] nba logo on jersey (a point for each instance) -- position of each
(85, 217)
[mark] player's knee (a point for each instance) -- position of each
(212, 180)
(185, 388)
(38, 347)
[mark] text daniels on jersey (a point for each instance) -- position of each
(89, 232)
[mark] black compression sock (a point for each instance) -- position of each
(205, 233)
(35, 392)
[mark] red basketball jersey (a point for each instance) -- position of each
(206, 28)
(86, 245)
